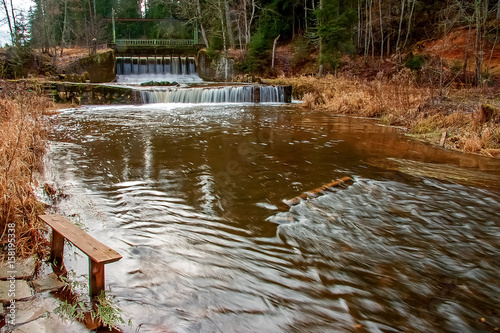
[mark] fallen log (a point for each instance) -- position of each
(314, 193)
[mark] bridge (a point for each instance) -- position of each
(124, 45)
(133, 46)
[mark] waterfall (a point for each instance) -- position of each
(241, 94)
(155, 65)
(271, 94)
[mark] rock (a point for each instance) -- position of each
(23, 269)
(37, 315)
(47, 325)
(48, 283)
(14, 289)
(35, 308)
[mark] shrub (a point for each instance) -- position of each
(415, 62)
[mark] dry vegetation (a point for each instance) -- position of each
(23, 133)
(471, 117)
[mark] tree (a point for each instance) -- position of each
(336, 29)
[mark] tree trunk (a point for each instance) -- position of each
(367, 32)
(466, 56)
(251, 21)
(408, 27)
(360, 30)
(14, 23)
(223, 27)
(381, 30)
(245, 22)
(371, 29)
(274, 49)
(8, 21)
(305, 14)
(400, 25)
(202, 28)
(320, 70)
(65, 27)
(481, 13)
(228, 25)
(498, 10)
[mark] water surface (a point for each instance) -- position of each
(188, 195)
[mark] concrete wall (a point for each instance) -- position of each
(221, 69)
(101, 67)
(81, 93)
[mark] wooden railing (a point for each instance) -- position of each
(169, 43)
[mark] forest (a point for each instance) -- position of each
(329, 28)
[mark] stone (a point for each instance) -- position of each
(2, 310)
(21, 291)
(23, 269)
(48, 325)
(47, 283)
(37, 315)
(33, 309)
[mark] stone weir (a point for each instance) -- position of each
(90, 94)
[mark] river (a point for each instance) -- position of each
(188, 194)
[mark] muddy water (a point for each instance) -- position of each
(188, 194)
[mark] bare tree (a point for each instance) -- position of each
(480, 15)
(411, 5)
(7, 15)
(400, 24)
(229, 25)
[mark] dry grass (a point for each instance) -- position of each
(472, 126)
(23, 133)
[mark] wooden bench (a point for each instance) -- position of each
(98, 253)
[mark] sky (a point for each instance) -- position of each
(4, 27)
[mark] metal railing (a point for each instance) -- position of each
(174, 43)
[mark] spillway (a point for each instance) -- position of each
(155, 65)
(227, 94)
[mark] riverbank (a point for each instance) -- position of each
(23, 140)
(470, 118)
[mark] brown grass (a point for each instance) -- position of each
(472, 124)
(23, 133)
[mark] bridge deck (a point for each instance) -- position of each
(155, 43)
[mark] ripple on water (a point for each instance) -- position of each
(399, 250)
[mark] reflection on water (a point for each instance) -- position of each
(185, 193)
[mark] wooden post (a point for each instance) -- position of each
(57, 249)
(96, 278)
(443, 139)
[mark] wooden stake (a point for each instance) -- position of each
(443, 139)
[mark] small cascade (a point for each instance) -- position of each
(155, 65)
(233, 94)
(271, 94)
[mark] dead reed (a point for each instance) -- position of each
(23, 132)
(472, 125)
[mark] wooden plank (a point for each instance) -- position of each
(316, 191)
(96, 250)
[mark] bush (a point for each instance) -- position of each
(415, 62)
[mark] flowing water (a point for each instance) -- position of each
(188, 194)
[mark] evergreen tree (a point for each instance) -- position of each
(337, 20)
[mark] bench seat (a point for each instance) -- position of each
(98, 253)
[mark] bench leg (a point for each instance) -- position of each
(96, 278)
(57, 252)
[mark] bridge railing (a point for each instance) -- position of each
(175, 43)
